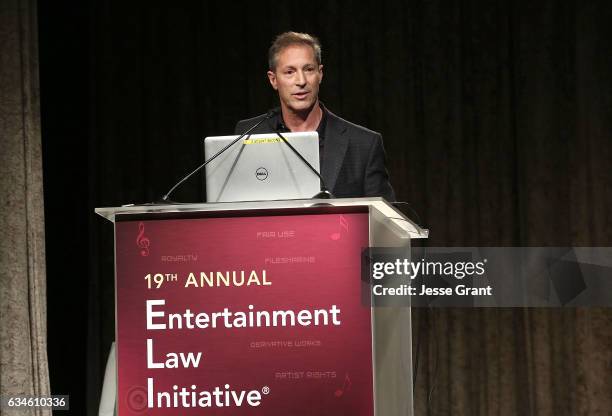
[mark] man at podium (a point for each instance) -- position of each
(352, 158)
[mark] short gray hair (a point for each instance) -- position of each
(286, 39)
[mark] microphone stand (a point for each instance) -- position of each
(268, 116)
(324, 193)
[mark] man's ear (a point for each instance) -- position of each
(272, 79)
(321, 72)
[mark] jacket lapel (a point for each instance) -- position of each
(334, 150)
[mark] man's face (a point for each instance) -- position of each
(296, 78)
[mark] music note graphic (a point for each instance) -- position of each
(344, 225)
(142, 241)
(346, 386)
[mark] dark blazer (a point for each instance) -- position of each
(353, 160)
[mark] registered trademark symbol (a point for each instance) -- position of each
(265, 390)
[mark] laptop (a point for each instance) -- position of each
(261, 167)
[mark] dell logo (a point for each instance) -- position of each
(261, 174)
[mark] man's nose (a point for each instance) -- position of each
(300, 79)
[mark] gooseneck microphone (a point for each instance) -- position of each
(268, 116)
(324, 194)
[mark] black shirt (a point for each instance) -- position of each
(279, 125)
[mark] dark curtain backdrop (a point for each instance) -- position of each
(497, 120)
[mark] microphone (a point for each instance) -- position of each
(325, 193)
(268, 116)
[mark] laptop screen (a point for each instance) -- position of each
(262, 167)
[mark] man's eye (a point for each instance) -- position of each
(289, 72)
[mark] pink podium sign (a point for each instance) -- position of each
(257, 315)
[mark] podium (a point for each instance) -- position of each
(258, 308)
